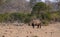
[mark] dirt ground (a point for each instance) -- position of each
(53, 30)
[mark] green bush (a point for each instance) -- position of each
(45, 23)
(45, 17)
(15, 17)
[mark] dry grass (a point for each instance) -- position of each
(28, 31)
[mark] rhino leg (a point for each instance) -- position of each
(38, 26)
(32, 25)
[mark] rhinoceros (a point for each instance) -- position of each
(36, 22)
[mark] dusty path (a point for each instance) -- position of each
(28, 31)
(56, 25)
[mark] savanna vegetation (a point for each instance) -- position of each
(40, 11)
